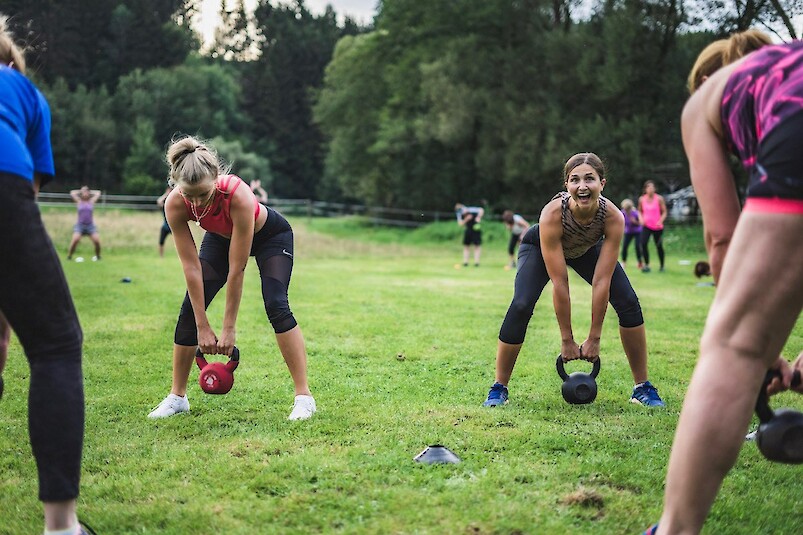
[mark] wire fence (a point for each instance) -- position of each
(296, 207)
(682, 209)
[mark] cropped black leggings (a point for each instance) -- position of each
(635, 237)
(273, 249)
(532, 276)
(657, 236)
(36, 300)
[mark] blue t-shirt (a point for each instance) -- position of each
(24, 127)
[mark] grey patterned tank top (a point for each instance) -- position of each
(577, 238)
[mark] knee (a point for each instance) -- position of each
(521, 309)
(629, 312)
(279, 314)
(277, 305)
(186, 333)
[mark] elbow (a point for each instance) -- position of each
(719, 241)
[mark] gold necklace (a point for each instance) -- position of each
(199, 217)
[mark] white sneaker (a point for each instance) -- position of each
(303, 408)
(170, 406)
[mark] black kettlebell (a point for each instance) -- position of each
(780, 434)
(578, 388)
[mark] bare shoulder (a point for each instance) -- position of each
(551, 213)
(174, 200)
(613, 213)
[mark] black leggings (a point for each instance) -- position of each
(657, 236)
(532, 276)
(273, 249)
(36, 300)
(511, 245)
(635, 237)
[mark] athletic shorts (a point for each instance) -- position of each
(776, 182)
(472, 237)
(85, 230)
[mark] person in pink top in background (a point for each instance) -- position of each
(653, 212)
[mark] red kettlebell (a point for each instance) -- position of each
(217, 377)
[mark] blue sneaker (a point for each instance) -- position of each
(646, 394)
(497, 396)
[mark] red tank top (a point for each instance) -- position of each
(218, 218)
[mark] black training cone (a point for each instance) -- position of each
(437, 454)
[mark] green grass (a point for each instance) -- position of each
(401, 354)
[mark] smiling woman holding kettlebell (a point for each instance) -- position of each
(237, 226)
(570, 232)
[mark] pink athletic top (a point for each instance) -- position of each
(218, 218)
(651, 212)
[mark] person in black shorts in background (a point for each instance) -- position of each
(470, 218)
(165, 230)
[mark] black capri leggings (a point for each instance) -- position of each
(273, 249)
(532, 276)
(36, 300)
(512, 243)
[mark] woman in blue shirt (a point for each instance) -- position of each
(34, 297)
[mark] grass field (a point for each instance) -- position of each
(401, 354)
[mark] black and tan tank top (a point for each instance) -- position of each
(577, 238)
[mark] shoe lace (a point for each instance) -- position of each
(496, 391)
(650, 392)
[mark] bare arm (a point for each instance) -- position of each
(551, 231)
(96, 193)
(662, 206)
(242, 216)
(75, 194)
(177, 218)
(712, 180)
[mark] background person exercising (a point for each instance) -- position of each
(165, 229)
(652, 208)
(517, 226)
(85, 200)
(470, 217)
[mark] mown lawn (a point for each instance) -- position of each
(401, 354)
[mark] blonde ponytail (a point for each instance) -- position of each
(724, 52)
(10, 53)
(191, 161)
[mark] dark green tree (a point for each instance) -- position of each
(144, 170)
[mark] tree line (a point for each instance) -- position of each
(479, 101)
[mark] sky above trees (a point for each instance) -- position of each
(361, 11)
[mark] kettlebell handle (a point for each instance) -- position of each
(763, 410)
(235, 353)
(559, 365)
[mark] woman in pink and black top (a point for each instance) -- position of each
(747, 98)
(237, 227)
(652, 208)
